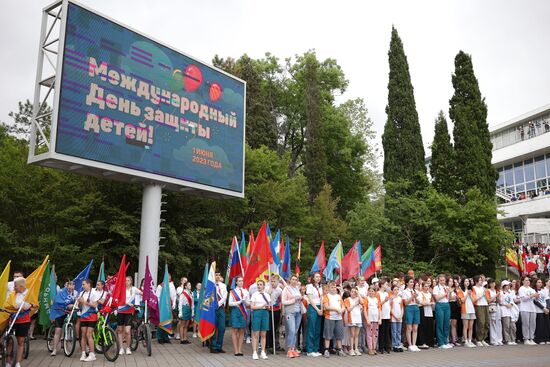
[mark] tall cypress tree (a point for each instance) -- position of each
(402, 141)
(472, 143)
(315, 161)
(442, 166)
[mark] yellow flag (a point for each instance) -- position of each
(4, 284)
(33, 286)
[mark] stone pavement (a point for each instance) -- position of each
(194, 354)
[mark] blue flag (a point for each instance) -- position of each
(84, 274)
(285, 265)
(209, 305)
(334, 261)
(63, 298)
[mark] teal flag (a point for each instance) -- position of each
(44, 298)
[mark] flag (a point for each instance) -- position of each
(378, 258)
(165, 305)
(230, 260)
(53, 286)
(63, 298)
(4, 279)
(236, 268)
(250, 245)
(285, 268)
(101, 276)
(84, 274)
(242, 251)
(334, 261)
(297, 270)
(201, 294)
(45, 298)
(118, 294)
(149, 295)
(209, 305)
(259, 258)
(512, 258)
(368, 264)
(320, 262)
(350, 263)
(359, 253)
(274, 246)
(32, 284)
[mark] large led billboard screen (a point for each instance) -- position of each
(139, 106)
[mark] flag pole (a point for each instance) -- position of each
(272, 314)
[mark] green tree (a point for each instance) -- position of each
(472, 143)
(402, 141)
(442, 164)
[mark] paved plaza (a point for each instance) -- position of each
(194, 354)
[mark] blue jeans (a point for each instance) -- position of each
(442, 323)
(396, 334)
(313, 330)
(217, 339)
(292, 324)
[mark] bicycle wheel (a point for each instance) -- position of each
(9, 341)
(49, 338)
(145, 335)
(69, 341)
(110, 344)
(26, 348)
(135, 339)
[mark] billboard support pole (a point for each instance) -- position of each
(150, 230)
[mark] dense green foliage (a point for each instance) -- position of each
(472, 142)
(442, 164)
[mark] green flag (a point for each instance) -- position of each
(201, 296)
(101, 272)
(44, 298)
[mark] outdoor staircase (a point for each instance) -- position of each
(503, 194)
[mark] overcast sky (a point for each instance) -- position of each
(508, 40)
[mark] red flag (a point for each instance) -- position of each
(378, 258)
(259, 258)
(350, 263)
(320, 262)
(119, 292)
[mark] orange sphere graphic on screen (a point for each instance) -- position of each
(215, 92)
(192, 78)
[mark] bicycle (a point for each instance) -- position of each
(68, 335)
(141, 332)
(9, 340)
(105, 338)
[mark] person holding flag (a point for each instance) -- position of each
(61, 307)
(238, 302)
(221, 296)
(124, 315)
(196, 301)
(274, 290)
(88, 302)
(259, 303)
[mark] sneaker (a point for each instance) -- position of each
(289, 354)
(445, 346)
(311, 355)
(263, 355)
(414, 348)
(469, 344)
(177, 336)
(479, 344)
(358, 353)
(451, 345)
(83, 356)
(90, 357)
(121, 352)
(17, 364)
(327, 353)
(247, 340)
(485, 344)
(128, 351)
(53, 353)
(255, 356)
(341, 353)
(424, 346)
(296, 353)
(194, 335)
(352, 353)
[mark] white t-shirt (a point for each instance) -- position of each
(316, 293)
(90, 296)
(334, 301)
(438, 291)
(243, 295)
(409, 294)
(526, 304)
(386, 308)
(505, 300)
(354, 315)
(542, 299)
(397, 308)
(258, 300)
(481, 300)
(363, 290)
(422, 298)
(372, 310)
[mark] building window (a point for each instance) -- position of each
(540, 168)
(518, 173)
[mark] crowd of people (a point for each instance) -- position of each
(350, 318)
(535, 257)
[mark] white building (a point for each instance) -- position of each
(521, 154)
